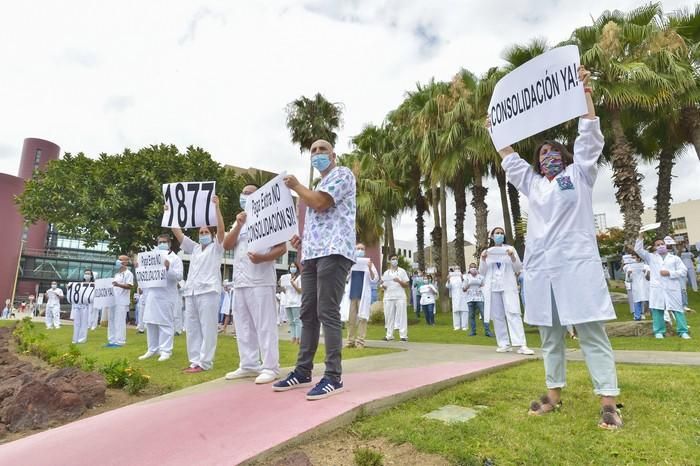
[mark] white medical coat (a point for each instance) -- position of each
(160, 302)
(501, 279)
(637, 278)
(364, 309)
(561, 253)
(664, 292)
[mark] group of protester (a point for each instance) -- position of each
(562, 281)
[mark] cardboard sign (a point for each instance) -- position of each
(189, 205)
(80, 292)
(104, 295)
(540, 94)
(151, 272)
(271, 216)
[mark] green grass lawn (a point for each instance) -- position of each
(661, 415)
(167, 376)
(442, 332)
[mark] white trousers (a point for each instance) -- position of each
(256, 329)
(201, 313)
(53, 316)
(140, 311)
(505, 323)
(81, 314)
(179, 316)
(94, 318)
(160, 338)
(692, 279)
(459, 320)
(395, 314)
(116, 324)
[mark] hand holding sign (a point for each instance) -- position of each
(189, 205)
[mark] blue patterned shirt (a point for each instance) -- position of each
(332, 231)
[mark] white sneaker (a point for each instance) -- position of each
(525, 350)
(266, 377)
(455, 328)
(241, 373)
(147, 355)
(164, 357)
(659, 336)
(504, 349)
(685, 336)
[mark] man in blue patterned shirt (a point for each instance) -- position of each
(327, 253)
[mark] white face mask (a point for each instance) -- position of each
(53, 286)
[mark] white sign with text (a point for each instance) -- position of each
(151, 272)
(189, 205)
(104, 295)
(271, 216)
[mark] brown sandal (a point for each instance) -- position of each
(607, 417)
(537, 408)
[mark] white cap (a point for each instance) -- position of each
(669, 241)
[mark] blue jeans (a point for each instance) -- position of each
(473, 307)
(294, 321)
(429, 311)
(638, 309)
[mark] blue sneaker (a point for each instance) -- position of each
(325, 388)
(112, 345)
(292, 381)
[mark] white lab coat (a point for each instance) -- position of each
(364, 309)
(160, 303)
(501, 279)
(454, 284)
(345, 303)
(561, 250)
(664, 292)
(637, 278)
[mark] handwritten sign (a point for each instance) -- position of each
(80, 292)
(151, 272)
(104, 295)
(540, 94)
(189, 205)
(271, 216)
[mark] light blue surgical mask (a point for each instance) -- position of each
(292, 270)
(87, 277)
(118, 264)
(499, 238)
(241, 201)
(394, 262)
(359, 253)
(163, 246)
(321, 162)
(205, 240)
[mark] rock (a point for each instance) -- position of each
(295, 458)
(635, 328)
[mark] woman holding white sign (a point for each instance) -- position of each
(499, 264)
(81, 313)
(202, 291)
(564, 283)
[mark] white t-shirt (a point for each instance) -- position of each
(204, 275)
(393, 290)
(122, 296)
(54, 296)
(245, 273)
(427, 294)
(293, 296)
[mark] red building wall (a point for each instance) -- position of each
(10, 233)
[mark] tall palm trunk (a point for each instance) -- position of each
(627, 180)
(663, 190)
(390, 234)
(385, 248)
(514, 197)
(420, 229)
(501, 179)
(460, 212)
(444, 252)
(691, 121)
(480, 211)
(436, 234)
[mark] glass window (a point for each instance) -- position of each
(678, 223)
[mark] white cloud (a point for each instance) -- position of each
(99, 77)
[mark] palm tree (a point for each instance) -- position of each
(312, 119)
(615, 48)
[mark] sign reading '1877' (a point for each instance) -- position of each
(189, 205)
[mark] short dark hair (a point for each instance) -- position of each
(392, 256)
(566, 156)
(165, 236)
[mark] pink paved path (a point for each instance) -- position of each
(222, 426)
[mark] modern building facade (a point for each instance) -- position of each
(685, 221)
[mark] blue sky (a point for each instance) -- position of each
(102, 76)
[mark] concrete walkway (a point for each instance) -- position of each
(225, 423)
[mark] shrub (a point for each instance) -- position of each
(368, 457)
(118, 374)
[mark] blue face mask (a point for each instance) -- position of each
(205, 240)
(118, 264)
(321, 162)
(293, 270)
(359, 253)
(163, 246)
(241, 201)
(499, 238)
